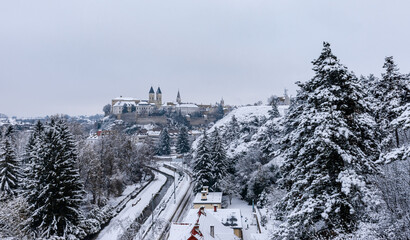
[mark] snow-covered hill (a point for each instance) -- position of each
(253, 124)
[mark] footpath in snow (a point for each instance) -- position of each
(123, 220)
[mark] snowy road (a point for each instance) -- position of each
(123, 220)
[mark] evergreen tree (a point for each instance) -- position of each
(9, 167)
(124, 108)
(57, 192)
(232, 132)
(274, 112)
(218, 160)
(369, 86)
(164, 144)
(202, 166)
(107, 109)
(219, 112)
(269, 141)
(328, 150)
(392, 93)
(31, 185)
(183, 145)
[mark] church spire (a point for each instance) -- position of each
(178, 97)
(151, 98)
(159, 97)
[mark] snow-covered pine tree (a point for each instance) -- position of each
(392, 93)
(218, 160)
(328, 149)
(32, 166)
(164, 143)
(274, 112)
(9, 167)
(232, 131)
(124, 108)
(183, 145)
(202, 166)
(369, 85)
(55, 201)
(269, 140)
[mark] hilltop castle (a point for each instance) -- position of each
(154, 103)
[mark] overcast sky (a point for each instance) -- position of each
(75, 56)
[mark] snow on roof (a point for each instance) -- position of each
(153, 133)
(182, 231)
(229, 217)
(121, 103)
(125, 99)
(186, 105)
(262, 236)
(212, 197)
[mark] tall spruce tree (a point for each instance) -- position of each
(183, 145)
(164, 144)
(392, 93)
(218, 160)
(328, 148)
(56, 189)
(9, 166)
(269, 141)
(202, 166)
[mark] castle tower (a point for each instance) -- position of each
(159, 97)
(179, 98)
(222, 102)
(287, 99)
(151, 98)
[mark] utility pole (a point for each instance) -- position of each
(152, 208)
(175, 200)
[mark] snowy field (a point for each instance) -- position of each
(123, 220)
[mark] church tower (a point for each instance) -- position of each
(179, 98)
(151, 98)
(159, 97)
(287, 99)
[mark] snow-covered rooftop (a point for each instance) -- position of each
(125, 99)
(182, 231)
(121, 103)
(212, 197)
(228, 217)
(186, 105)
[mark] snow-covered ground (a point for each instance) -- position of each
(245, 117)
(123, 220)
(163, 213)
(250, 228)
(128, 190)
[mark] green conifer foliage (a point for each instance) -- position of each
(55, 190)
(329, 147)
